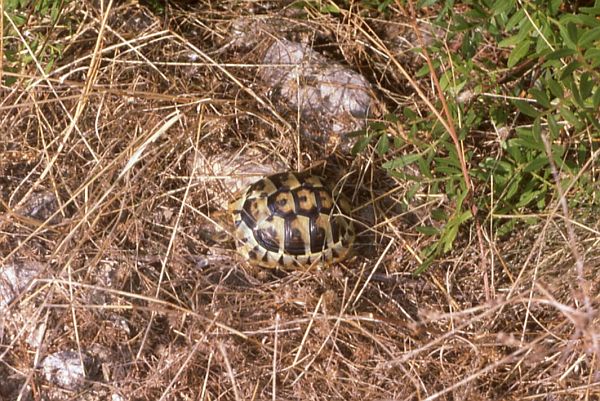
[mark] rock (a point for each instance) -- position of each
(224, 174)
(67, 370)
(42, 206)
(333, 98)
(15, 277)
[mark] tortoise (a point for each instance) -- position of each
(291, 220)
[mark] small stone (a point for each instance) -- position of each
(36, 335)
(42, 206)
(227, 173)
(67, 370)
(14, 278)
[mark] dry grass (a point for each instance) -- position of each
(131, 276)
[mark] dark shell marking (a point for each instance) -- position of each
(291, 220)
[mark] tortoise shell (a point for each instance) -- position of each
(291, 220)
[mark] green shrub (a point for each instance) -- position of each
(529, 72)
(38, 19)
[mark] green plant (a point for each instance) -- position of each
(38, 18)
(538, 81)
(329, 7)
(157, 6)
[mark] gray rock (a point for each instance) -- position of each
(15, 277)
(67, 370)
(41, 205)
(335, 97)
(225, 173)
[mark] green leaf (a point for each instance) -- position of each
(514, 149)
(55, 12)
(593, 57)
(42, 7)
(425, 265)
(502, 6)
(412, 190)
(540, 204)
(449, 237)
(423, 71)
(566, 36)
(515, 19)
(401, 161)
(376, 126)
(554, 6)
(448, 6)
(478, 12)
(541, 97)
(576, 94)
(558, 151)
(299, 4)
(409, 113)
(586, 85)
(510, 41)
(596, 98)
(49, 66)
(513, 188)
(426, 3)
(9, 81)
(589, 37)
(518, 53)
(555, 88)
(451, 230)
(560, 53)
(330, 9)
(19, 20)
(541, 45)
(536, 131)
(356, 134)
(568, 71)
(506, 228)
(572, 32)
(429, 231)
(439, 215)
(391, 117)
(536, 164)
(526, 28)
(383, 145)
(525, 108)
(464, 217)
(593, 11)
(461, 24)
(525, 142)
(553, 126)
(399, 141)
(526, 198)
(360, 145)
(449, 172)
(424, 166)
(570, 116)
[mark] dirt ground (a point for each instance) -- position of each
(112, 223)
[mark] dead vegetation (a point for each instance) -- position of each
(99, 198)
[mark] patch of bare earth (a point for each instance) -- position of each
(110, 267)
